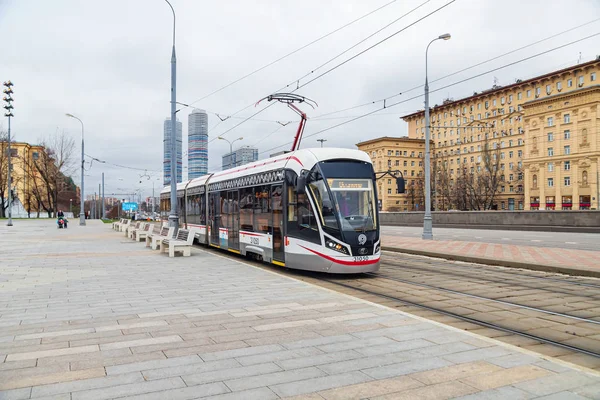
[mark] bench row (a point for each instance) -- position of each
(158, 236)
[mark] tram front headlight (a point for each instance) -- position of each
(377, 248)
(333, 245)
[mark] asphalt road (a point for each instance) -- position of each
(568, 240)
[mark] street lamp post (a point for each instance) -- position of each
(230, 148)
(427, 222)
(173, 217)
(321, 140)
(9, 107)
(82, 211)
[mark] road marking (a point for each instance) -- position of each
(570, 242)
(537, 241)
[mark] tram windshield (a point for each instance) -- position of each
(354, 203)
(345, 196)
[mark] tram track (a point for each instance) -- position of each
(540, 329)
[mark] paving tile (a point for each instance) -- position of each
(405, 368)
(506, 377)
(247, 351)
(86, 384)
(273, 378)
(563, 396)
(440, 391)
(318, 384)
(229, 373)
(141, 342)
(556, 383)
(320, 359)
(278, 356)
(41, 335)
(188, 369)
(51, 353)
(252, 394)
(589, 391)
(15, 394)
(478, 354)
(318, 341)
(503, 393)
(44, 379)
(454, 372)
(152, 364)
(184, 393)
(370, 389)
(128, 390)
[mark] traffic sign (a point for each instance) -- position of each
(130, 206)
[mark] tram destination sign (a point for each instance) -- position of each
(348, 184)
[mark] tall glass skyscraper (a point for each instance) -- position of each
(167, 152)
(197, 144)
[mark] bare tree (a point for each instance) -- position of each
(53, 166)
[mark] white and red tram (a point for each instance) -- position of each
(311, 209)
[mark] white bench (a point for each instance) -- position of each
(153, 240)
(129, 228)
(124, 225)
(141, 235)
(117, 224)
(181, 244)
(140, 226)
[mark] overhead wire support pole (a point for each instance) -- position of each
(173, 217)
(290, 99)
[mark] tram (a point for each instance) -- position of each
(310, 209)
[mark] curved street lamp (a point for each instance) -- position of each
(427, 222)
(230, 148)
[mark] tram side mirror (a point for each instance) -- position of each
(401, 185)
(301, 184)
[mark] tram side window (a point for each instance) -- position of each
(262, 210)
(202, 208)
(302, 222)
(224, 207)
(246, 209)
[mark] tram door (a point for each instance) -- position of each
(277, 207)
(214, 216)
(233, 223)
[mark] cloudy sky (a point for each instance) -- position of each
(108, 62)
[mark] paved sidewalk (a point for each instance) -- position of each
(87, 314)
(568, 261)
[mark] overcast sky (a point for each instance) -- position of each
(108, 62)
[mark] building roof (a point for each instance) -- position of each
(501, 88)
(391, 138)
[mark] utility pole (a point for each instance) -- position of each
(103, 205)
(9, 107)
(321, 140)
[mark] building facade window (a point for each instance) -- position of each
(567, 134)
(570, 83)
(548, 89)
(550, 167)
(550, 182)
(550, 121)
(567, 150)
(581, 80)
(534, 178)
(567, 165)
(567, 181)
(593, 76)
(550, 137)
(550, 151)
(558, 85)
(567, 118)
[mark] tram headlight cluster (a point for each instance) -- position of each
(333, 245)
(377, 248)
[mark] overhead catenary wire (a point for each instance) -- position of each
(442, 88)
(459, 71)
(294, 51)
(342, 63)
